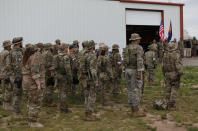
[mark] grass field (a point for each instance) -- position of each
(115, 118)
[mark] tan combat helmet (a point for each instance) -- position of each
(17, 40)
(6, 43)
(85, 43)
(115, 46)
(135, 36)
(105, 47)
(57, 41)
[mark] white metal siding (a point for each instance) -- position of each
(134, 17)
(47, 20)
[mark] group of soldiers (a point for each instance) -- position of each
(37, 70)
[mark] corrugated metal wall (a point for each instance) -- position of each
(47, 20)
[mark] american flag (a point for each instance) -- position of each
(161, 31)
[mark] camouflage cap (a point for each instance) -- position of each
(33, 48)
(17, 40)
(115, 46)
(39, 44)
(28, 45)
(135, 36)
(75, 42)
(6, 43)
(47, 45)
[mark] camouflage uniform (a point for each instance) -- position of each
(160, 51)
(116, 63)
(16, 78)
(49, 79)
(155, 48)
(88, 64)
(134, 68)
(31, 73)
(151, 63)
(5, 76)
(105, 75)
(64, 78)
(81, 76)
(42, 62)
(172, 70)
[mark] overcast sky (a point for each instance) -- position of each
(190, 15)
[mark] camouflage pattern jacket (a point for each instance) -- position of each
(5, 68)
(172, 65)
(104, 68)
(116, 63)
(150, 60)
(16, 56)
(133, 56)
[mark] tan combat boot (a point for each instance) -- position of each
(7, 106)
(35, 125)
(137, 113)
(90, 117)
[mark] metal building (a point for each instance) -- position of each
(108, 21)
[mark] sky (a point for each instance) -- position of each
(190, 15)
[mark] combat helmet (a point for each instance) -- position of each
(6, 43)
(85, 43)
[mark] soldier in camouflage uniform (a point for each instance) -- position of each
(49, 76)
(151, 63)
(74, 66)
(5, 75)
(64, 77)
(160, 51)
(116, 63)
(76, 44)
(16, 55)
(32, 84)
(40, 47)
(105, 75)
(88, 64)
(172, 70)
(134, 68)
(81, 76)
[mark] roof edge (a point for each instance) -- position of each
(152, 2)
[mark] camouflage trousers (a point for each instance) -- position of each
(171, 91)
(62, 85)
(134, 87)
(17, 96)
(83, 84)
(116, 86)
(151, 75)
(90, 99)
(34, 103)
(106, 91)
(49, 91)
(7, 96)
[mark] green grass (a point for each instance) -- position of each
(116, 118)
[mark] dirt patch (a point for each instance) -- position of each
(162, 125)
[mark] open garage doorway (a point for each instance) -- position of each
(147, 32)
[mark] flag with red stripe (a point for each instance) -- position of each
(161, 31)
